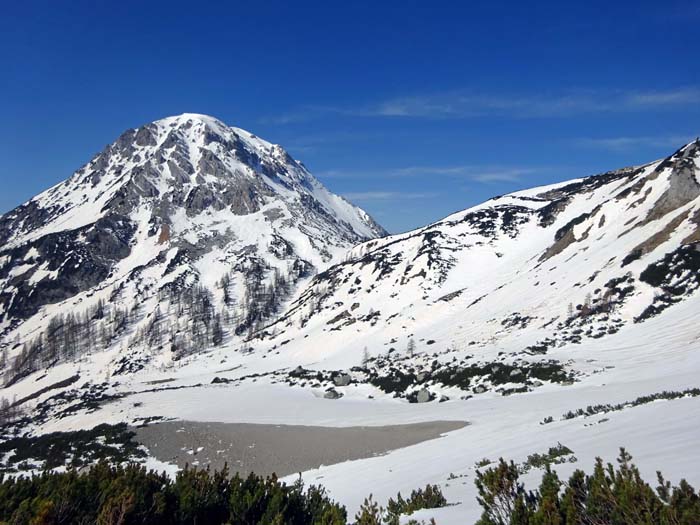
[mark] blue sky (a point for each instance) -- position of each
(413, 110)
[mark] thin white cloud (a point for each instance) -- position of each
(504, 175)
(484, 174)
(461, 105)
(342, 174)
(629, 143)
(310, 112)
(672, 97)
(388, 195)
(475, 173)
(431, 170)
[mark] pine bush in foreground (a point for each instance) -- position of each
(130, 494)
(611, 495)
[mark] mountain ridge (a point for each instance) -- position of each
(656, 211)
(559, 314)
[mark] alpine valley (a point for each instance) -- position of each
(193, 275)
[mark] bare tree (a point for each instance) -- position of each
(9, 411)
(411, 347)
(365, 357)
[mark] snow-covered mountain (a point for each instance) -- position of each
(562, 314)
(529, 271)
(185, 211)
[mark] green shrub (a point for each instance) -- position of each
(133, 495)
(610, 495)
(428, 498)
(554, 456)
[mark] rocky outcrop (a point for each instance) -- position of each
(61, 265)
(683, 185)
(332, 393)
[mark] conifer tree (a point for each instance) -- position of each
(411, 347)
(548, 512)
(365, 357)
(370, 513)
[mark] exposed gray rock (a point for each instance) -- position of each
(245, 197)
(332, 393)
(145, 137)
(342, 380)
(180, 176)
(423, 396)
(211, 164)
(81, 258)
(202, 198)
(683, 188)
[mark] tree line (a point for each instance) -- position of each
(130, 494)
(186, 320)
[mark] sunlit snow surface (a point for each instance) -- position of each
(455, 283)
(648, 358)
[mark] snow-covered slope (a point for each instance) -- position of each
(529, 271)
(184, 211)
(515, 314)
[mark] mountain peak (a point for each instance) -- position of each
(189, 119)
(201, 122)
(191, 116)
(186, 186)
